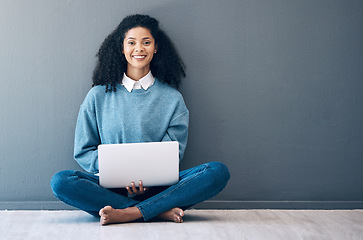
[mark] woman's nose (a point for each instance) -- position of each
(139, 48)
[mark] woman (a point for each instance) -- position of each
(134, 99)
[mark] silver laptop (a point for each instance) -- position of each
(155, 163)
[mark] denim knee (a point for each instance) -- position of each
(220, 171)
(59, 180)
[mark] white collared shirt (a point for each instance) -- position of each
(144, 83)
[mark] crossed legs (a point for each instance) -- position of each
(197, 184)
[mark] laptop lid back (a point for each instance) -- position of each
(155, 163)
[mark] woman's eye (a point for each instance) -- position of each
(130, 43)
(146, 43)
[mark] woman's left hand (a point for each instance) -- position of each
(136, 191)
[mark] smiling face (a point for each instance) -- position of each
(139, 49)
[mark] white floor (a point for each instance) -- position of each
(198, 224)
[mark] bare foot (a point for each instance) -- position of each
(110, 215)
(174, 214)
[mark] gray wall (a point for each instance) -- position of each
(274, 90)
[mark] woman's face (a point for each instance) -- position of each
(139, 49)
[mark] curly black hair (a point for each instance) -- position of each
(166, 65)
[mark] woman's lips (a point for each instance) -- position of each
(139, 57)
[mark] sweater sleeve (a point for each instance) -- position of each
(86, 140)
(178, 131)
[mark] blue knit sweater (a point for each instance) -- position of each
(157, 114)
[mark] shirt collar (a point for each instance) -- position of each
(145, 82)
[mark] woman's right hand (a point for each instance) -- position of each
(133, 190)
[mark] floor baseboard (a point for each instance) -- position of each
(211, 204)
(326, 205)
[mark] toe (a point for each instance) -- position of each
(105, 210)
(104, 220)
(177, 219)
(181, 213)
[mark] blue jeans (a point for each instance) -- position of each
(82, 190)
